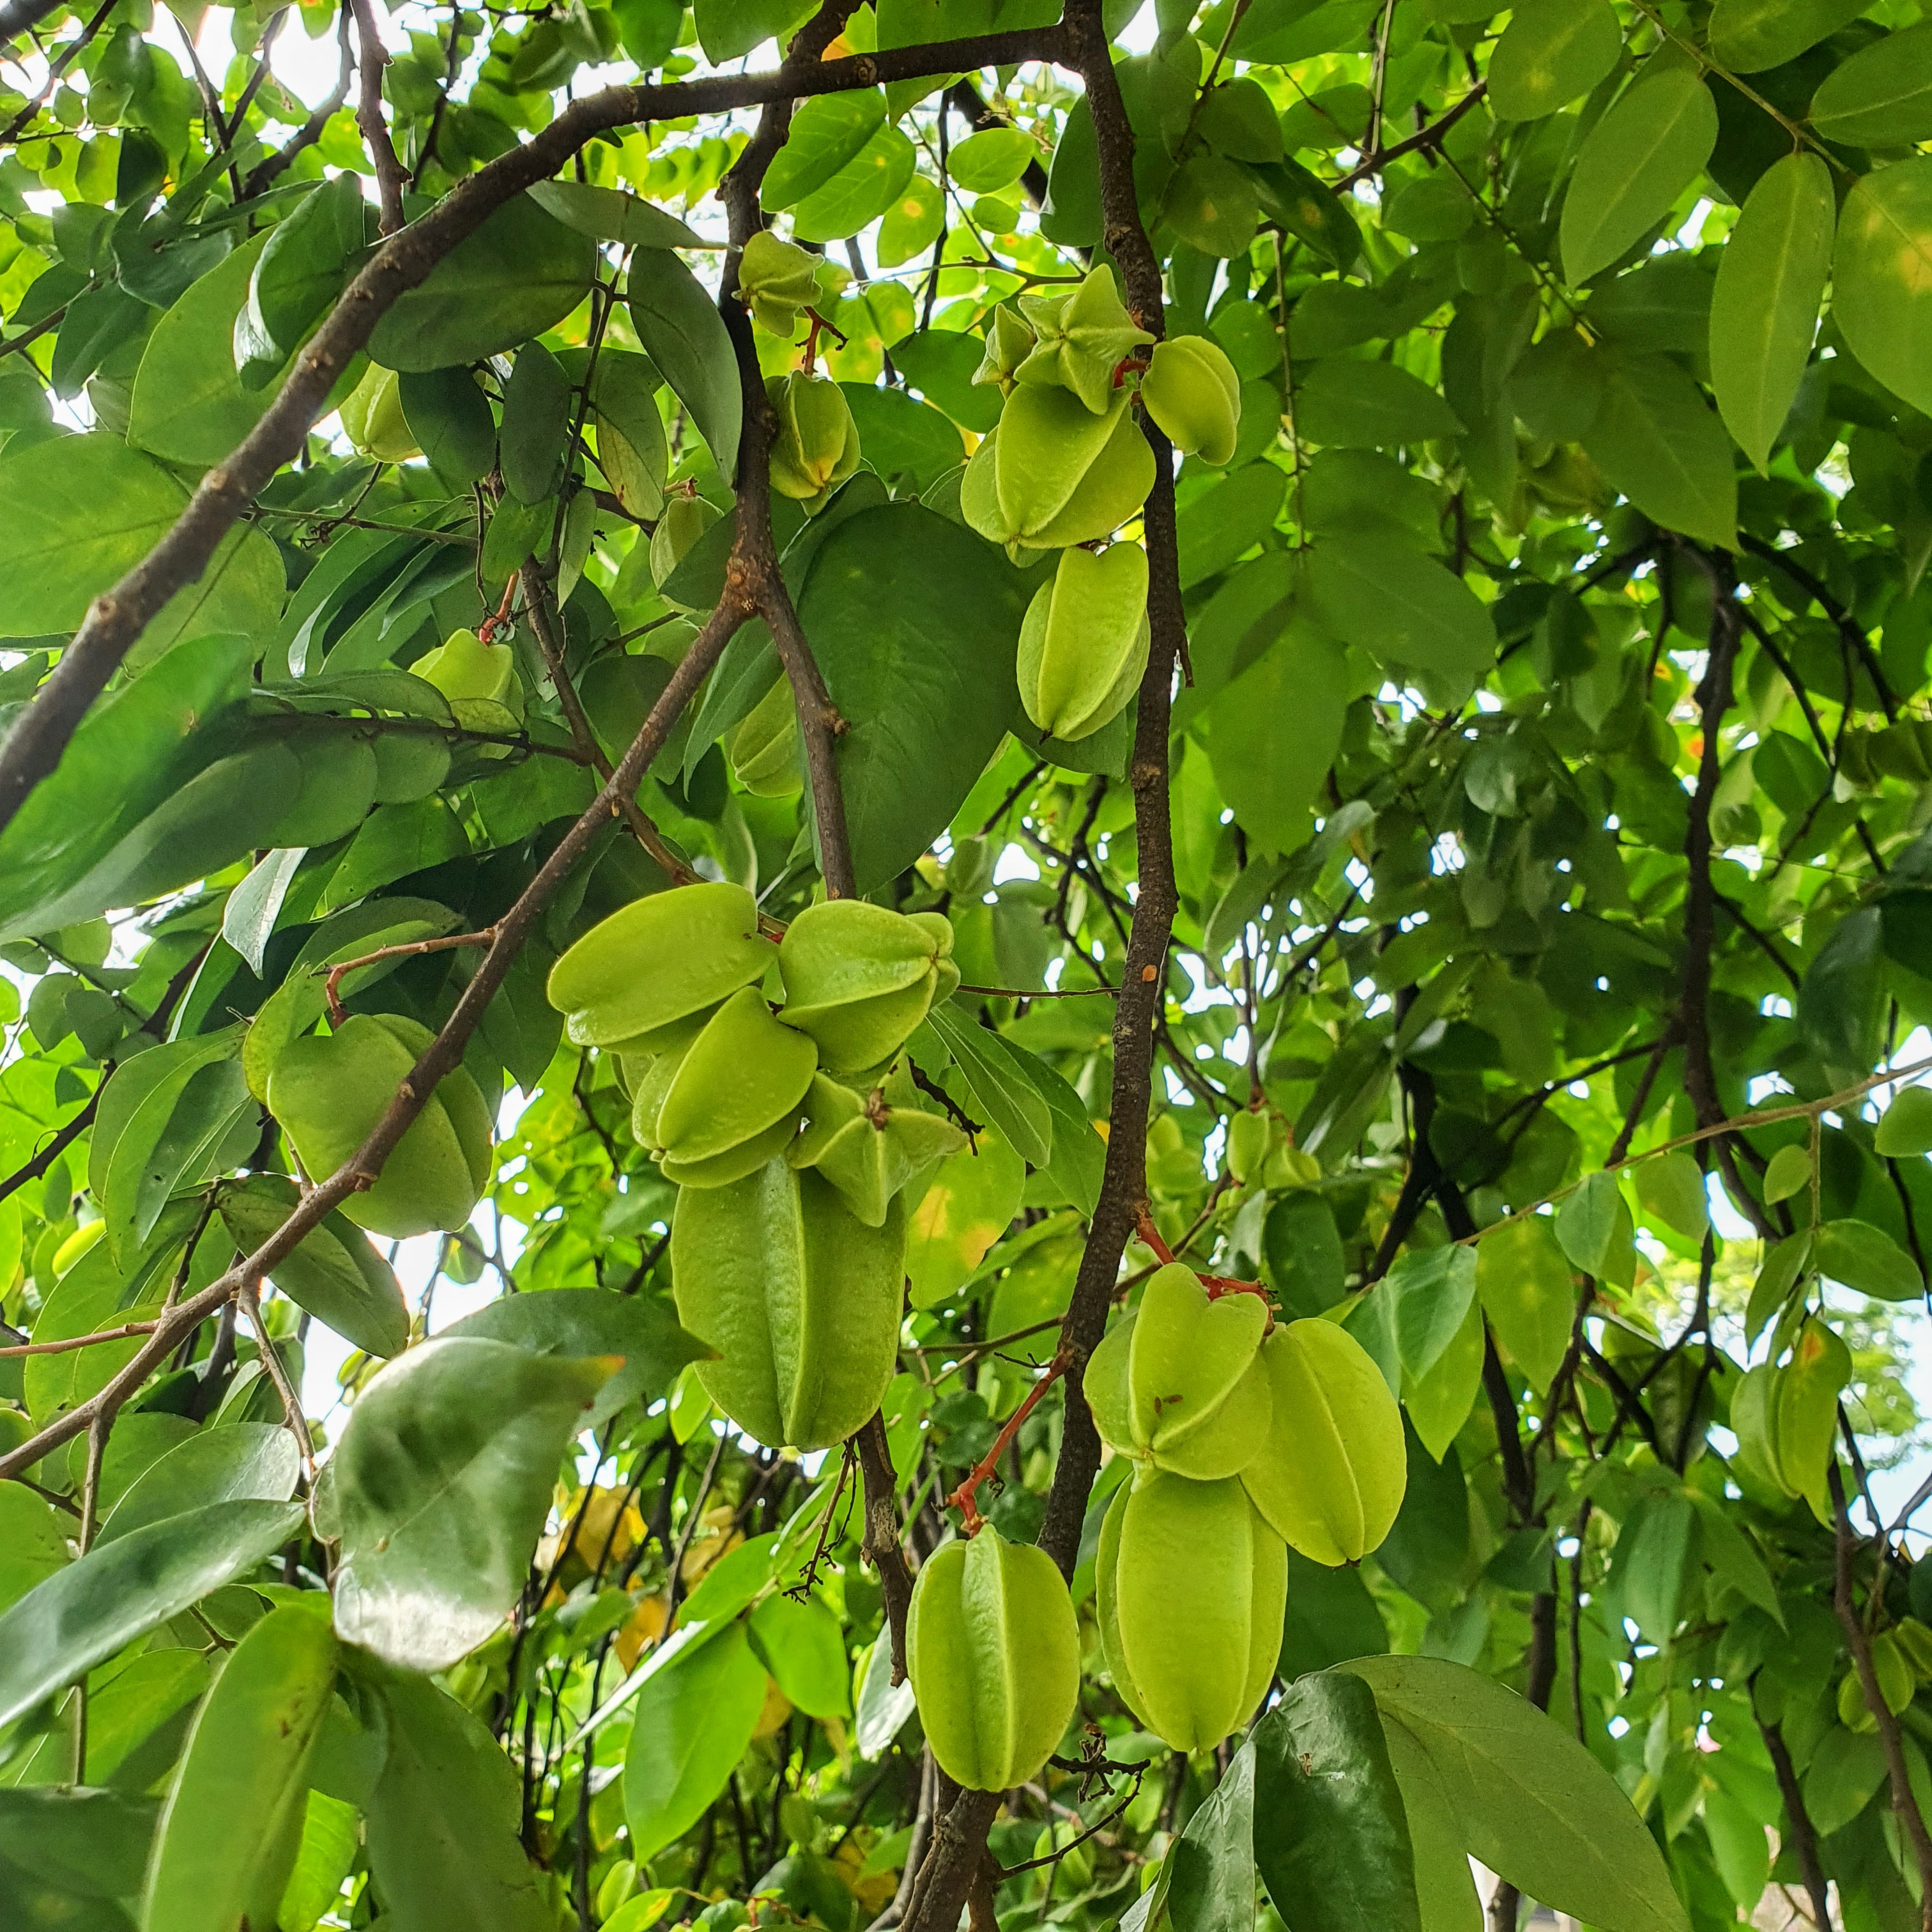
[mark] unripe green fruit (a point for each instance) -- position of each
(859, 978)
(372, 418)
(867, 1150)
(1052, 473)
(778, 279)
(1084, 645)
(685, 519)
(817, 444)
(1178, 1383)
(658, 960)
(1250, 1134)
(993, 1650)
(1193, 1585)
(1083, 338)
(1330, 1476)
(763, 749)
(738, 1081)
(467, 670)
(1009, 341)
(799, 1298)
(1191, 390)
(329, 1093)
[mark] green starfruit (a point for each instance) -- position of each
(1192, 391)
(1084, 644)
(866, 1148)
(816, 446)
(860, 977)
(1052, 473)
(1082, 339)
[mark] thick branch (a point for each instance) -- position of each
(117, 618)
(881, 1543)
(372, 58)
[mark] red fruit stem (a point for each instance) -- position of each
(962, 1497)
(1150, 1235)
(491, 625)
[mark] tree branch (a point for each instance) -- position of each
(373, 58)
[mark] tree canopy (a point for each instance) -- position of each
(1118, 826)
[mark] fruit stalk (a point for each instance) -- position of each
(448, 943)
(962, 1499)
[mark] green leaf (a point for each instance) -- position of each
(439, 1490)
(1438, 1403)
(901, 438)
(1271, 781)
(1330, 1836)
(915, 621)
(1633, 166)
(1524, 1281)
(803, 1646)
(1586, 1223)
(118, 1593)
(89, 1842)
(1000, 1090)
(1355, 405)
(33, 1544)
(538, 407)
(1748, 36)
(239, 1462)
(1656, 440)
(964, 1211)
(333, 1271)
(1775, 1280)
(1881, 96)
(692, 1723)
(1651, 1562)
(331, 1844)
(1733, 1556)
(1881, 276)
(449, 416)
(594, 1322)
(1905, 1129)
(1445, 1884)
(685, 336)
(1231, 516)
(994, 158)
(520, 273)
(1429, 1292)
(611, 215)
(1867, 1259)
(229, 1833)
(1764, 310)
(1788, 1172)
(826, 133)
(1403, 607)
(92, 1295)
(299, 273)
(1210, 1872)
(861, 192)
(1077, 1158)
(443, 1824)
(1534, 1805)
(1671, 1189)
(76, 515)
(1552, 52)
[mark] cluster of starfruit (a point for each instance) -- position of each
(1066, 466)
(1245, 1437)
(329, 1092)
(788, 1126)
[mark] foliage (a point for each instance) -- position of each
(1458, 860)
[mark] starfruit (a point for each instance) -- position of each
(798, 1297)
(859, 978)
(657, 960)
(777, 281)
(372, 418)
(1191, 390)
(468, 671)
(867, 1149)
(1785, 1417)
(1009, 341)
(1178, 1383)
(1082, 339)
(1084, 644)
(733, 1097)
(1330, 1476)
(993, 1651)
(329, 1092)
(816, 447)
(685, 519)
(1192, 1585)
(1249, 1136)
(764, 747)
(1052, 473)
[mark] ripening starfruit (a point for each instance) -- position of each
(1785, 1417)
(860, 977)
(737, 1086)
(1178, 1383)
(867, 1149)
(993, 1650)
(1081, 338)
(764, 747)
(1052, 473)
(468, 671)
(372, 418)
(1009, 341)
(1330, 1475)
(329, 1092)
(798, 1297)
(657, 960)
(1084, 644)
(1191, 390)
(778, 280)
(816, 447)
(685, 519)
(1192, 1585)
